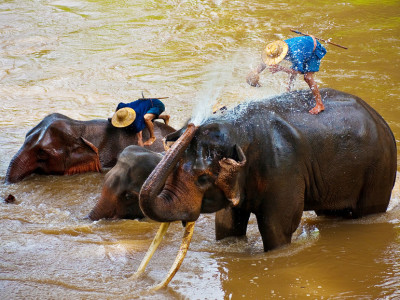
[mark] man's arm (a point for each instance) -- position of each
(292, 74)
(277, 68)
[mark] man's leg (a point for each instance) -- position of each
(319, 106)
(292, 77)
(148, 118)
(165, 118)
(140, 139)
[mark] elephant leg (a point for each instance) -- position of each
(273, 232)
(280, 215)
(231, 221)
(375, 194)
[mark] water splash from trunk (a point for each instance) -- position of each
(213, 84)
(208, 96)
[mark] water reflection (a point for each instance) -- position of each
(325, 269)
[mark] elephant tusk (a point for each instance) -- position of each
(187, 237)
(152, 248)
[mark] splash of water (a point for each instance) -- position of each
(209, 93)
(221, 75)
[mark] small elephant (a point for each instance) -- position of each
(59, 145)
(274, 159)
(120, 193)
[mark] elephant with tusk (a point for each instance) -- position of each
(120, 199)
(59, 145)
(274, 159)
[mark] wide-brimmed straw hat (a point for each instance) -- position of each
(123, 117)
(274, 52)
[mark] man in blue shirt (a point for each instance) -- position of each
(305, 54)
(139, 114)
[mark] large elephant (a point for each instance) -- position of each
(120, 192)
(274, 159)
(59, 145)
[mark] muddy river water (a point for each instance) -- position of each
(81, 58)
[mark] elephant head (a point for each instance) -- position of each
(201, 172)
(120, 193)
(53, 147)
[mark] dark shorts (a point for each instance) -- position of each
(312, 65)
(303, 56)
(157, 109)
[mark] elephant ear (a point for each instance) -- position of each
(228, 177)
(85, 158)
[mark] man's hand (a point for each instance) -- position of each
(253, 79)
(254, 76)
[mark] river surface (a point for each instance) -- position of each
(81, 58)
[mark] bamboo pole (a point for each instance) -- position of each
(326, 41)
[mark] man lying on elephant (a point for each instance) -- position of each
(139, 114)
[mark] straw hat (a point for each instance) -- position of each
(123, 117)
(274, 52)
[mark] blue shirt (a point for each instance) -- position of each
(302, 56)
(142, 107)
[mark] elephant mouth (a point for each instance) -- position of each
(90, 166)
(186, 239)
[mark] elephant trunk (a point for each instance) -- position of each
(105, 207)
(164, 205)
(19, 168)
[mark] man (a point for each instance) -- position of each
(305, 54)
(139, 114)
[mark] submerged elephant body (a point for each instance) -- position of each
(59, 145)
(274, 159)
(120, 192)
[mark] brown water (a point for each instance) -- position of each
(81, 58)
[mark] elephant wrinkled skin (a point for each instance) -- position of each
(59, 145)
(274, 159)
(120, 192)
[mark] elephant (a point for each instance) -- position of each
(59, 145)
(120, 192)
(273, 159)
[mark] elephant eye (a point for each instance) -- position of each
(42, 155)
(130, 197)
(203, 180)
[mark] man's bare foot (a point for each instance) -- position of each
(150, 141)
(317, 109)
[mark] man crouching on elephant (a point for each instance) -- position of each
(139, 114)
